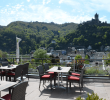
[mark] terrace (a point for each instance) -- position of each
(102, 88)
(95, 82)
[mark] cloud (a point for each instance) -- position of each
(28, 0)
(61, 1)
(46, 1)
(103, 19)
(43, 2)
(80, 10)
(88, 5)
(70, 2)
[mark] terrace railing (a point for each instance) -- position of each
(93, 67)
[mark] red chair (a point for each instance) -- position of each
(46, 67)
(77, 73)
(2, 74)
(17, 75)
(18, 92)
(75, 79)
(45, 76)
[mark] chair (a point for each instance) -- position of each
(4, 63)
(18, 92)
(2, 74)
(46, 67)
(77, 73)
(75, 79)
(25, 70)
(45, 76)
(17, 75)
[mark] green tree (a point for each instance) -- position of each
(86, 61)
(40, 53)
(0, 54)
(78, 57)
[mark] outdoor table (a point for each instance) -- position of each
(5, 85)
(63, 70)
(8, 68)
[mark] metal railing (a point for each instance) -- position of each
(94, 67)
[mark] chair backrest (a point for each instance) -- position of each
(46, 66)
(25, 68)
(18, 92)
(81, 75)
(41, 70)
(4, 63)
(18, 71)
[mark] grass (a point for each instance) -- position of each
(95, 71)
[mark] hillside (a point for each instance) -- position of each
(98, 36)
(33, 35)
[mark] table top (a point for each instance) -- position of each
(6, 84)
(63, 69)
(6, 67)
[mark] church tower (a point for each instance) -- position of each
(96, 17)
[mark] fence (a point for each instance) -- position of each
(94, 67)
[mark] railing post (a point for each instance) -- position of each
(42, 61)
(13, 60)
(76, 65)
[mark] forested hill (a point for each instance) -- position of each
(95, 35)
(33, 35)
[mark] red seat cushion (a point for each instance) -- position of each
(51, 72)
(7, 97)
(76, 74)
(13, 74)
(3, 72)
(47, 76)
(73, 78)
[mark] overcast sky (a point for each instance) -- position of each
(57, 11)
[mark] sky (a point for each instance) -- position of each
(57, 11)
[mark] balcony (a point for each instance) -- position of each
(95, 82)
(102, 88)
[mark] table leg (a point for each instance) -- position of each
(61, 78)
(58, 80)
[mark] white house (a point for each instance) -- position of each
(65, 59)
(53, 41)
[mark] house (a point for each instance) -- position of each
(53, 41)
(89, 47)
(66, 59)
(43, 48)
(107, 48)
(54, 53)
(61, 52)
(71, 50)
(31, 53)
(50, 49)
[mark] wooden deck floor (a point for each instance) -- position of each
(33, 93)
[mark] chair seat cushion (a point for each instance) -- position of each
(13, 74)
(73, 78)
(51, 72)
(3, 72)
(76, 74)
(7, 97)
(47, 76)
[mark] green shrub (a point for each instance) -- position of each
(86, 61)
(90, 71)
(95, 70)
(93, 96)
